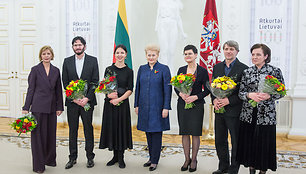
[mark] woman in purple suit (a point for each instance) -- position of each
(45, 101)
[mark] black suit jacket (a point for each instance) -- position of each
(90, 73)
(235, 104)
(44, 92)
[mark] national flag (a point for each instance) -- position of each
(122, 32)
(210, 43)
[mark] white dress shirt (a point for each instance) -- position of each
(79, 65)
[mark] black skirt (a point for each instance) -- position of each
(257, 145)
(116, 133)
(190, 120)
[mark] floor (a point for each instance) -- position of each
(283, 143)
(15, 150)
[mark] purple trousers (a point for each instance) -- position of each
(43, 141)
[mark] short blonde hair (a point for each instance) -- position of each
(44, 48)
(152, 47)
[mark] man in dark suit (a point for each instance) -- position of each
(228, 121)
(85, 67)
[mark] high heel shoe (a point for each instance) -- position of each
(193, 169)
(147, 164)
(152, 168)
(252, 170)
(183, 168)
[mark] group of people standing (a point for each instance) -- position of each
(252, 130)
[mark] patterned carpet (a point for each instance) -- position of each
(286, 159)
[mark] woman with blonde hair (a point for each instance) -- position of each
(153, 102)
(45, 100)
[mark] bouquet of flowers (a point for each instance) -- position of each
(183, 83)
(77, 90)
(24, 124)
(107, 86)
(270, 85)
(222, 87)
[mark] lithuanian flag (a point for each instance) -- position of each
(122, 32)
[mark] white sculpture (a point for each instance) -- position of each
(168, 25)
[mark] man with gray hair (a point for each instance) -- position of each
(229, 120)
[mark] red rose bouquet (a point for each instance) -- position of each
(24, 124)
(77, 90)
(107, 86)
(183, 83)
(222, 87)
(270, 85)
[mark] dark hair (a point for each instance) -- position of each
(191, 47)
(79, 38)
(232, 43)
(265, 49)
(120, 46)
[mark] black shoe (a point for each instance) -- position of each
(152, 168)
(112, 161)
(147, 164)
(193, 169)
(219, 172)
(51, 165)
(252, 170)
(70, 164)
(121, 163)
(39, 171)
(121, 159)
(90, 163)
(185, 168)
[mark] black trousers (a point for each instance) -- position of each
(223, 125)
(43, 141)
(154, 140)
(74, 111)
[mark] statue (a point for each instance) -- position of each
(168, 25)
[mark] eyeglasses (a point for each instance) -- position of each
(188, 54)
(77, 45)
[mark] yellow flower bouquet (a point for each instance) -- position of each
(24, 124)
(183, 83)
(77, 90)
(222, 87)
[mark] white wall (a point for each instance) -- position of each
(233, 16)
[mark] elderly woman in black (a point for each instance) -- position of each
(257, 138)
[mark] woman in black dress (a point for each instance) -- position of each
(116, 134)
(257, 135)
(191, 120)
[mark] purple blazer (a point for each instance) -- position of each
(44, 92)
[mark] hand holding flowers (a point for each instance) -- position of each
(183, 83)
(109, 87)
(76, 91)
(24, 124)
(221, 87)
(267, 86)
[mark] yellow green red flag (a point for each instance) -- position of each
(122, 32)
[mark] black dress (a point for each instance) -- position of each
(191, 120)
(257, 145)
(116, 133)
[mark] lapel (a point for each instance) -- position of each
(234, 68)
(52, 72)
(222, 72)
(84, 67)
(43, 74)
(74, 72)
